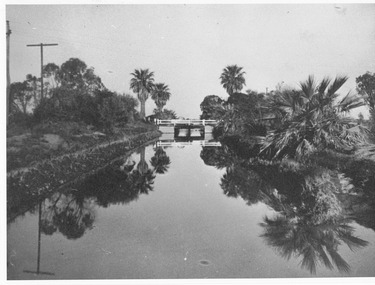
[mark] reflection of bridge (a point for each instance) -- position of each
(167, 140)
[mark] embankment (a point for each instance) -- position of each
(48, 175)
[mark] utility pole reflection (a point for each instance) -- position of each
(38, 272)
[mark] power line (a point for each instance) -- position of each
(41, 45)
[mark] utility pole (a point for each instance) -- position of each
(41, 60)
(8, 100)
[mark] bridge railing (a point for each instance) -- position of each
(185, 122)
(174, 143)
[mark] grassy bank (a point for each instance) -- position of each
(27, 147)
(26, 186)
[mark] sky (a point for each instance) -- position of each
(188, 46)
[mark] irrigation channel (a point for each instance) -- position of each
(181, 209)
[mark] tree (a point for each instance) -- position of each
(212, 107)
(51, 73)
(20, 94)
(142, 83)
(32, 84)
(232, 79)
(74, 74)
(160, 94)
(312, 120)
(366, 88)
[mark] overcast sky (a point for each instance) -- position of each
(187, 46)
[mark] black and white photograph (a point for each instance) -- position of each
(176, 142)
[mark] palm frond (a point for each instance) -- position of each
(336, 85)
(350, 101)
(340, 263)
(308, 87)
(323, 85)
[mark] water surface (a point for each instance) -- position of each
(164, 213)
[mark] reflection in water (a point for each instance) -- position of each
(310, 221)
(160, 161)
(70, 214)
(316, 244)
(38, 272)
(309, 224)
(169, 140)
(71, 211)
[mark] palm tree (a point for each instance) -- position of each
(312, 120)
(232, 79)
(160, 94)
(142, 83)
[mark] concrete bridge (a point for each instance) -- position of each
(186, 128)
(187, 143)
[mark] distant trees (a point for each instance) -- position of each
(73, 92)
(142, 83)
(232, 79)
(239, 115)
(212, 107)
(72, 77)
(165, 114)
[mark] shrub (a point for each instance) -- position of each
(103, 109)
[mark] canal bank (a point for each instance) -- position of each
(48, 175)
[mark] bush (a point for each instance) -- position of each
(104, 109)
(20, 119)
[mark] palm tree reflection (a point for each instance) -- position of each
(309, 223)
(160, 161)
(316, 244)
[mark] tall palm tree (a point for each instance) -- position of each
(160, 94)
(232, 79)
(142, 83)
(312, 120)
